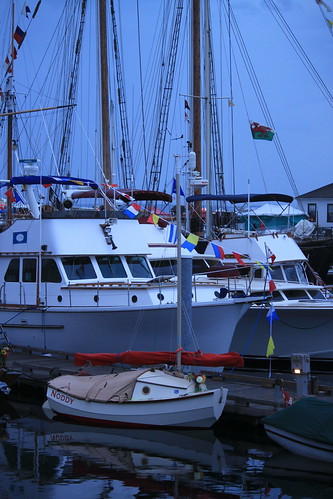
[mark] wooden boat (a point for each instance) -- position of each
(139, 398)
(304, 428)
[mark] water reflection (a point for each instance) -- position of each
(39, 456)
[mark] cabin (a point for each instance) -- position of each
(318, 204)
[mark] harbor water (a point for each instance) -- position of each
(44, 458)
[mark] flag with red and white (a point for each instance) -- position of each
(286, 397)
(270, 255)
(133, 210)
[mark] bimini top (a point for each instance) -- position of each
(240, 198)
(48, 180)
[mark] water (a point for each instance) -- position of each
(44, 458)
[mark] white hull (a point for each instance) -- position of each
(299, 445)
(197, 410)
(89, 330)
(301, 327)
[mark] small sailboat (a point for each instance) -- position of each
(143, 397)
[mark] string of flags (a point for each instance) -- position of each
(19, 36)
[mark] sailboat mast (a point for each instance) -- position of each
(10, 109)
(105, 106)
(179, 270)
(196, 134)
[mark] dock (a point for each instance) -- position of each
(251, 395)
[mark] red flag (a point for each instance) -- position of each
(19, 35)
(238, 258)
(271, 283)
(10, 195)
(272, 286)
(286, 397)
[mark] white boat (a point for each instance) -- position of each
(145, 397)
(136, 398)
(75, 279)
(304, 308)
(304, 428)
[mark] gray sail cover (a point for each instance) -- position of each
(102, 388)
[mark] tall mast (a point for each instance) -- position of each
(105, 106)
(196, 103)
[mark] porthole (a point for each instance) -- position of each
(96, 298)
(134, 298)
(160, 296)
(146, 390)
(59, 298)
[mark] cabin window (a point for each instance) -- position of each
(276, 273)
(199, 266)
(78, 267)
(138, 266)
(330, 212)
(291, 273)
(111, 266)
(13, 271)
(164, 267)
(277, 296)
(296, 294)
(316, 294)
(50, 272)
(29, 270)
(312, 211)
(257, 273)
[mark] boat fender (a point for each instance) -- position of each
(222, 293)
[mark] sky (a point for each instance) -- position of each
(302, 116)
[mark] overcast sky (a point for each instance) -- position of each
(302, 115)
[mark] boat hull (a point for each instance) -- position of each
(305, 328)
(300, 445)
(197, 410)
(89, 329)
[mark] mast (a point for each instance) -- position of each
(105, 106)
(196, 68)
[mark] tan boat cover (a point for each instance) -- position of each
(102, 388)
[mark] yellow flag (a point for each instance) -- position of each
(270, 347)
(155, 219)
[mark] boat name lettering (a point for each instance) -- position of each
(61, 438)
(62, 397)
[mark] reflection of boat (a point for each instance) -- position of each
(304, 428)
(200, 447)
(298, 476)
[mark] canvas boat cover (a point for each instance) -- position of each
(101, 388)
(137, 358)
(310, 418)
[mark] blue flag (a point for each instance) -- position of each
(271, 314)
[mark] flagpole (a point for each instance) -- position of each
(179, 273)
(248, 205)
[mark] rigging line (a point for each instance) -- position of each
(262, 102)
(300, 51)
(231, 97)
